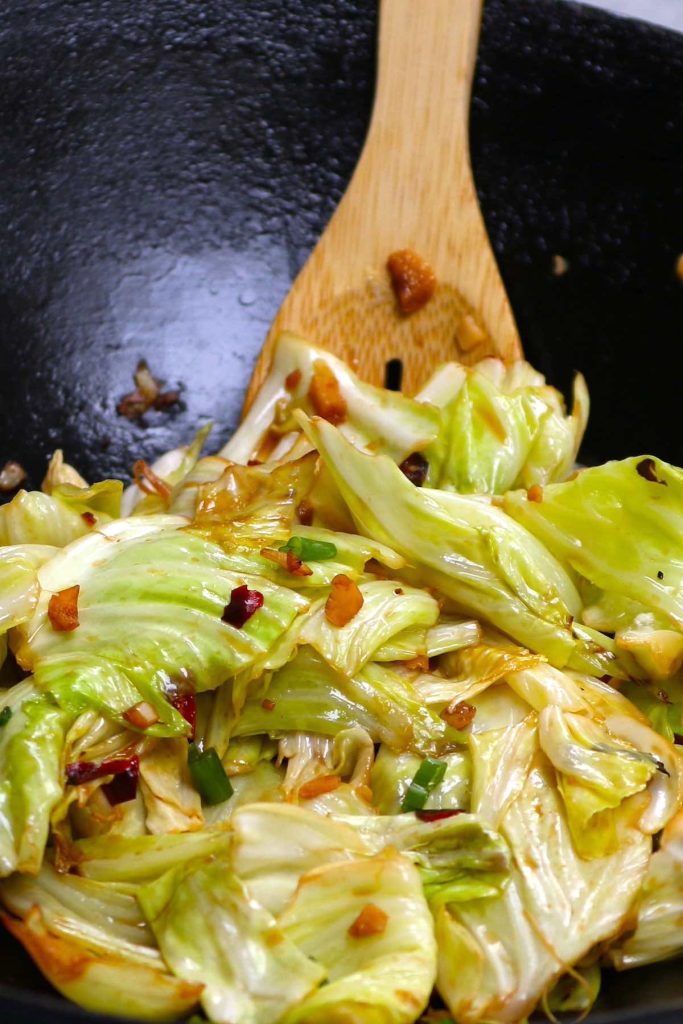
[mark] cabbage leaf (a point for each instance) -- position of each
(210, 932)
(174, 586)
(467, 548)
(30, 776)
(387, 420)
(386, 976)
(506, 429)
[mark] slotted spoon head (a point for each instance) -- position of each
(412, 190)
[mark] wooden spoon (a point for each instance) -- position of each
(412, 189)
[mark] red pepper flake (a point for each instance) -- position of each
(186, 705)
(344, 602)
(254, 462)
(88, 518)
(243, 604)
(435, 815)
(78, 772)
(142, 715)
(267, 704)
(304, 513)
(316, 787)
(123, 786)
(412, 279)
(148, 482)
(459, 715)
(647, 468)
(535, 493)
(62, 610)
(372, 920)
(11, 475)
(292, 380)
(415, 468)
(288, 561)
(325, 394)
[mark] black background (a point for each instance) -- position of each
(166, 167)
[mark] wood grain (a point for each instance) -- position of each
(412, 189)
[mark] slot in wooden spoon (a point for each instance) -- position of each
(412, 189)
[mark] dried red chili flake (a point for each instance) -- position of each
(435, 815)
(372, 920)
(292, 380)
(459, 715)
(62, 610)
(88, 518)
(535, 493)
(647, 468)
(78, 772)
(325, 394)
(288, 561)
(11, 475)
(415, 467)
(243, 604)
(186, 705)
(142, 715)
(122, 787)
(148, 482)
(344, 602)
(412, 279)
(267, 704)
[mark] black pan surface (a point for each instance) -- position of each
(165, 168)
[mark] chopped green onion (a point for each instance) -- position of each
(430, 773)
(310, 550)
(208, 775)
(426, 778)
(5, 715)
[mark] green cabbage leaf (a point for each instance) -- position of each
(386, 420)
(466, 547)
(31, 743)
(386, 976)
(56, 519)
(210, 932)
(174, 587)
(505, 428)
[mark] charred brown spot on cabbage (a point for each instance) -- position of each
(415, 467)
(647, 468)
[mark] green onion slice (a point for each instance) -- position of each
(310, 550)
(426, 778)
(5, 715)
(208, 775)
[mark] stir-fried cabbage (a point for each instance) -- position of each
(375, 710)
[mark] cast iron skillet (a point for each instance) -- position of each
(165, 169)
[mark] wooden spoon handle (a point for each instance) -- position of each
(412, 189)
(415, 173)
